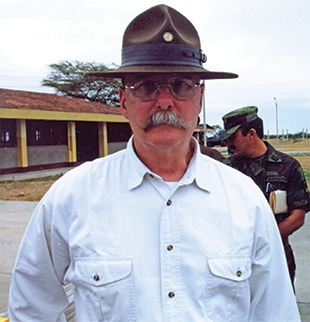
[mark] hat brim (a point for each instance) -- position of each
(162, 69)
(228, 133)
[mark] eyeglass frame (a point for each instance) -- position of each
(159, 86)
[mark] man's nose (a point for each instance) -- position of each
(164, 98)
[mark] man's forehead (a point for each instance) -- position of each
(165, 77)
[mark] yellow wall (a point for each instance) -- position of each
(22, 153)
(72, 155)
(59, 116)
(103, 139)
(22, 115)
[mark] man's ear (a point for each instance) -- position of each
(122, 100)
(252, 133)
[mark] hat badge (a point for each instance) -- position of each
(168, 36)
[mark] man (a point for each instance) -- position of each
(156, 232)
(274, 172)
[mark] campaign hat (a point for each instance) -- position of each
(162, 40)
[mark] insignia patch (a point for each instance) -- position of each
(168, 36)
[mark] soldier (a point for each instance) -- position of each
(279, 176)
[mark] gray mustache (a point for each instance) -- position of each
(165, 117)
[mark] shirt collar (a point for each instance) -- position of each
(272, 155)
(195, 172)
(137, 170)
(198, 169)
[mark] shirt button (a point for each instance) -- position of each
(169, 202)
(96, 277)
(239, 273)
(170, 247)
(171, 294)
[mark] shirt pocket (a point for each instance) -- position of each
(107, 288)
(227, 290)
(275, 182)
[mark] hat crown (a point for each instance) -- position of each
(240, 116)
(150, 27)
(162, 40)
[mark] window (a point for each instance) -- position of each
(46, 133)
(8, 133)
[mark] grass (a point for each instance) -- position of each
(307, 175)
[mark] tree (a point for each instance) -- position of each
(68, 79)
(217, 130)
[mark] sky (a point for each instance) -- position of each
(266, 42)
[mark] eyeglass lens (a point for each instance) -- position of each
(179, 88)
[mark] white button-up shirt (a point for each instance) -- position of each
(137, 249)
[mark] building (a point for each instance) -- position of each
(40, 131)
(202, 131)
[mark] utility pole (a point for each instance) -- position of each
(204, 116)
(275, 99)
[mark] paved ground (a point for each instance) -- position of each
(14, 216)
(33, 174)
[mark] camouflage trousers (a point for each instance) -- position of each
(290, 260)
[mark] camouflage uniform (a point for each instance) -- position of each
(212, 153)
(272, 171)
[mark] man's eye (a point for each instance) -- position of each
(148, 87)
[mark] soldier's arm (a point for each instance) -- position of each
(293, 222)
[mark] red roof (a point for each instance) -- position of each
(22, 100)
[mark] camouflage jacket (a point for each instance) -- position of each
(212, 153)
(276, 171)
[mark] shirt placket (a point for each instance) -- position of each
(170, 262)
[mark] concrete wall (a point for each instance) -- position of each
(8, 158)
(116, 146)
(48, 154)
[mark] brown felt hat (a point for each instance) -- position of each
(161, 40)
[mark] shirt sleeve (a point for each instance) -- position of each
(36, 292)
(272, 296)
(297, 193)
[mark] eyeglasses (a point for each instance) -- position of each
(148, 90)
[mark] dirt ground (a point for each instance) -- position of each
(297, 146)
(28, 190)
(33, 190)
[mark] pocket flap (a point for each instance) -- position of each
(233, 268)
(102, 271)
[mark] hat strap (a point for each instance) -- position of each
(162, 54)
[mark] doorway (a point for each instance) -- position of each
(87, 143)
